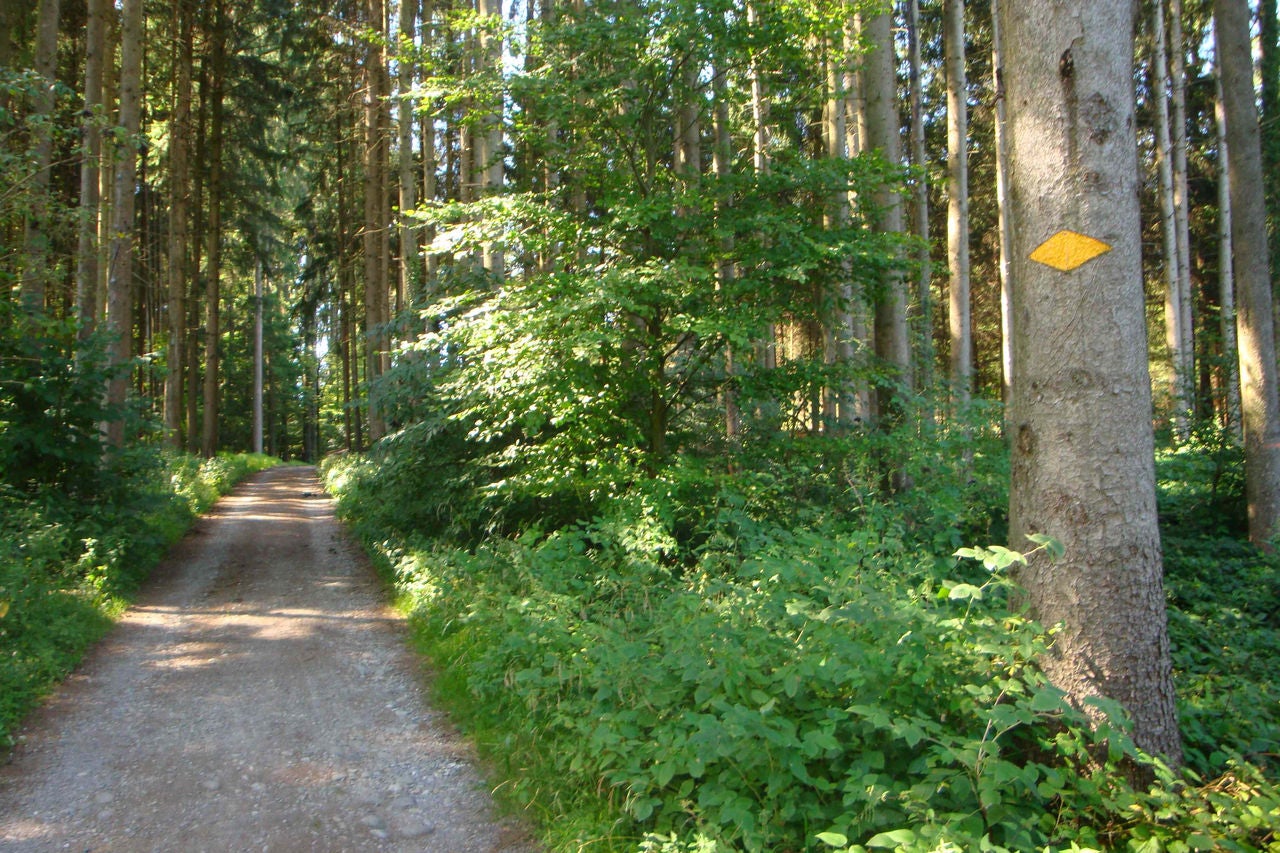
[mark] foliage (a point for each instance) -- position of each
(67, 566)
(50, 403)
(782, 658)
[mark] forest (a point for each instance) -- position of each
(818, 425)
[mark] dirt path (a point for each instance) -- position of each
(259, 697)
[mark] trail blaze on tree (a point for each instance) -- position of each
(1080, 413)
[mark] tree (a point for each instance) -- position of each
(36, 268)
(1260, 406)
(892, 343)
(1082, 468)
(213, 229)
(960, 314)
(1177, 310)
(179, 194)
(120, 257)
(87, 266)
(920, 197)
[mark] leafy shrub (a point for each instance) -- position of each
(759, 661)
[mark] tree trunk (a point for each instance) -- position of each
(920, 201)
(960, 313)
(1181, 366)
(179, 193)
(36, 269)
(726, 272)
(375, 265)
(1003, 204)
(1226, 273)
(1260, 409)
(213, 231)
(490, 166)
(1082, 459)
(1181, 214)
(120, 258)
(410, 263)
(892, 342)
(258, 357)
(1269, 68)
(87, 266)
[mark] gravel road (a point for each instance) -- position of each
(258, 697)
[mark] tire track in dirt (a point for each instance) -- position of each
(258, 697)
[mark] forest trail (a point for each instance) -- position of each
(258, 697)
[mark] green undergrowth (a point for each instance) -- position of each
(784, 655)
(71, 558)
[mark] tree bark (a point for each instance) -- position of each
(375, 262)
(120, 258)
(1226, 272)
(960, 313)
(1260, 408)
(87, 266)
(1181, 194)
(209, 438)
(410, 251)
(892, 341)
(258, 357)
(920, 200)
(1269, 68)
(36, 275)
(1082, 458)
(490, 165)
(1003, 204)
(179, 197)
(1181, 360)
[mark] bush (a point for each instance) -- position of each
(782, 658)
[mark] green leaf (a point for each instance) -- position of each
(891, 839)
(1054, 548)
(833, 839)
(965, 592)
(1047, 700)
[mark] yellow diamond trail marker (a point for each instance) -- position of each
(1067, 250)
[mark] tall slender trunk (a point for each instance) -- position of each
(1174, 306)
(375, 262)
(195, 326)
(179, 192)
(767, 350)
(726, 271)
(120, 259)
(1226, 272)
(1003, 203)
(87, 251)
(857, 407)
(1181, 194)
(36, 269)
(960, 314)
(920, 203)
(410, 272)
(258, 357)
(213, 233)
(844, 406)
(892, 342)
(1260, 408)
(490, 167)
(1269, 76)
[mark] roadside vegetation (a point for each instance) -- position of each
(770, 651)
(72, 555)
